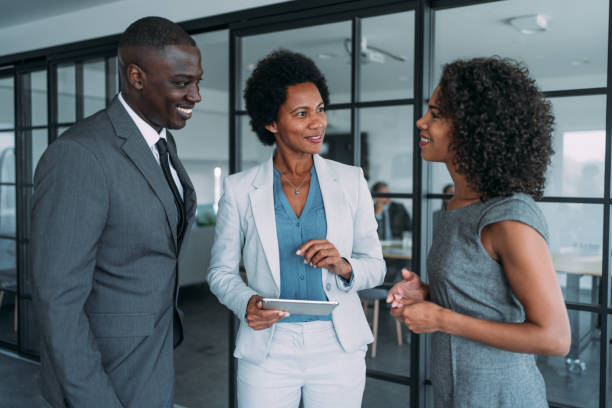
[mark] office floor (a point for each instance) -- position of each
(202, 364)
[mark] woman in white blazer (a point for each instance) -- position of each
(305, 229)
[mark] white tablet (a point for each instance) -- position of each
(307, 307)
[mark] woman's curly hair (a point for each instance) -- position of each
(502, 126)
(266, 89)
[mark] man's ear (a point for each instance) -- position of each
(136, 76)
(271, 127)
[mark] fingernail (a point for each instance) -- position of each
(305, 261)
(298, 252)
(310, 263)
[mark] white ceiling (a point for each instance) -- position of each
(15, 12)
(572, 53)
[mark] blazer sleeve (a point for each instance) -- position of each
(366, 257)
(70, 204)
(223, 273)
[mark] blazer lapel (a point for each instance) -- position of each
(136, 149)
(334, 202)
(262, 205)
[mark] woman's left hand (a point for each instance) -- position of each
(320, 253)
(419, 316)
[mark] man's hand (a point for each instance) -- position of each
(258, 318)
(410, 289)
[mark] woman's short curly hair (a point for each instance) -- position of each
(502, 126)
(266, 89)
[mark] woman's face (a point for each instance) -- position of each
(436, 132)
(301, 122)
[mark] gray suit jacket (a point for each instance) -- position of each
(104, 266)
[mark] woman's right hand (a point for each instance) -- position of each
(259, 318)
(411, 289)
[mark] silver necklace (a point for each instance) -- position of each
(297, 189)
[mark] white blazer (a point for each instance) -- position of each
(246, 226)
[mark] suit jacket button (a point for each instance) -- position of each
(328, 286)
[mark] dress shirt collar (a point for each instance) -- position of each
(151, 136)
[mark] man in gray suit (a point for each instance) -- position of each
(111, 206)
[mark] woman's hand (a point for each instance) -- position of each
(259, 318)
(321, 253)
(411, 288)
(419, 316)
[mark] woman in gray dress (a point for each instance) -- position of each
(493, 299)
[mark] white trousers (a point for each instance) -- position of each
(306, 360)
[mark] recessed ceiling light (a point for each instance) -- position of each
(579, 62)
(326, 55)
(529, 24)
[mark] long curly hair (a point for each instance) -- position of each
(502, 126)
(266, 88)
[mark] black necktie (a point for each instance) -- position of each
(164, 156)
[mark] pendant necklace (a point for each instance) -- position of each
(297, 189)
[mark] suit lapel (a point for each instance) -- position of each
(262, 205)
(136, 149)
(333, 200)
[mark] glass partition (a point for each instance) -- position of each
(563, 43)
(387, 56)
(325, 44)
(66, 93)
(94, 87)
(7, 101)
(38, 95)
(387, 153)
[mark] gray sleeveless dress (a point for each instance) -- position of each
(465, 279)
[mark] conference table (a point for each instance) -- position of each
(574, 267)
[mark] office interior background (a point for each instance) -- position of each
(382, 60)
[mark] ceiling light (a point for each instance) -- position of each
(326, 55)
(579, 62)
(529, 24)
(370, 53)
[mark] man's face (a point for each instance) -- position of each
(170, 86)
(382, 200)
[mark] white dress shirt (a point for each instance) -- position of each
(151, 137)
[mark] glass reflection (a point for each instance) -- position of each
(386, 153)
(387, 56)
(573, 381)
(253, 151)
(66, 93)
(39, 97)
(575, 237)
(571, 35)
(579, 142)
(8, 290)
(40, 138)
(325, 44)
(94, 87)
(7, 157)
(7, 101)
(338, 143)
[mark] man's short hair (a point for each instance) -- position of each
(154, 32)
(379, 185)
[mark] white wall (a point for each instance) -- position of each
(110, 19)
